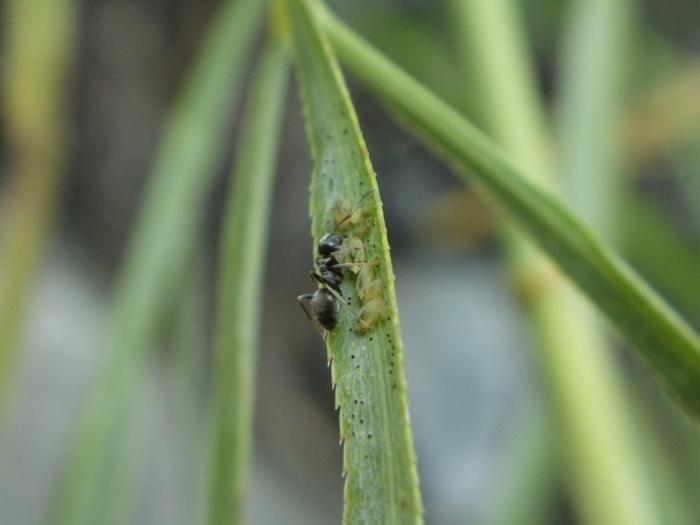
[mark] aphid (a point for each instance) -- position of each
(355, 252)
(367, 286)
(369, 289)
(371, 312)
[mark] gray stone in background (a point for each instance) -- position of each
(465, 360)
(60, 348)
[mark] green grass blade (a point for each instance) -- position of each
(241, 268)
(611, 476)
(381, 481)
(157, 258)
(662, 254)
(38, 44)
(662, 339)
(605, 471)
(186, 372)
(592, 71)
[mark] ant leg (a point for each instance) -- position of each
(308, 297)
(316, 278)
(346, 305)
(301, 299)
(352, 266)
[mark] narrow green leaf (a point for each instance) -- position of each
(156, 259)
(381, 481)
(611, 475)
(594, 54)
(241, 267)
(605, 473)
(662, 254)
(662, 339)
(187, 356)
(38, 47)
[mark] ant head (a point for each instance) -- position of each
(329, 244)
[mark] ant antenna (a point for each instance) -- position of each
(370, 192)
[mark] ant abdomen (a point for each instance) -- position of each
(324, 308)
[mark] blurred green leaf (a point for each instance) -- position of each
(381, 482)
(662, 254)
(241, 266)
(186, 388)
(605, 471)
(38, 40)
(157, 256)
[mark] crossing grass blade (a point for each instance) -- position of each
(381, 481)
(605, 474)
(665, 256)
(239, 289)
(660, 337)
(157, 256)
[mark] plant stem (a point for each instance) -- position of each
(599, 447)
(156, 261)
(39, 48)
(242, 261)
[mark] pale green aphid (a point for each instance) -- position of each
(352, 254)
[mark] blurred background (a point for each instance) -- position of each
(82, 113)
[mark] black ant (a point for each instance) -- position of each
(329, 273)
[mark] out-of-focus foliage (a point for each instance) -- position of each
(76, 144)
